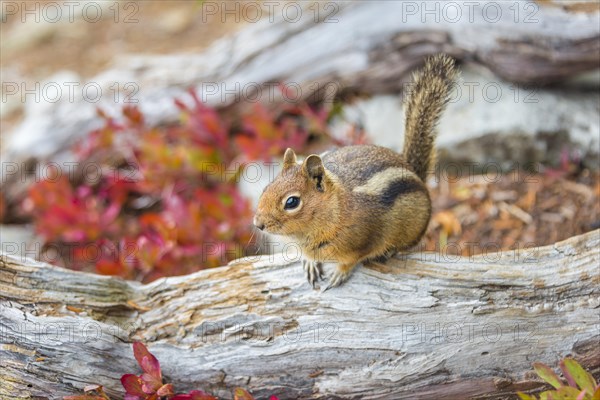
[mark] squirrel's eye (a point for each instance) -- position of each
(292, 202)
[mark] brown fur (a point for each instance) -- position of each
(360, 203)
(424, 106)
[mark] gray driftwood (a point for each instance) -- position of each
(369, 47)
(425, 326)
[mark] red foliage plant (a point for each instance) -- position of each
(147, 202)
(150, 386)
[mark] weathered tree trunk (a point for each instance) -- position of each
(424, 326)
(369, 47)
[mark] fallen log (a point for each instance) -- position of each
(423, 326)
(365, 47)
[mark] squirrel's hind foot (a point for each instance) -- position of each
(383, 258)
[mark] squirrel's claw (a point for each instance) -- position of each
(314, 271)
(337, 278)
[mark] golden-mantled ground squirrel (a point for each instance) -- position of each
(361, 203)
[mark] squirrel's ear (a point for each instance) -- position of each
(313, 167)
(289, 158)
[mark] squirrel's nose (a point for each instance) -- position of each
(258, 223)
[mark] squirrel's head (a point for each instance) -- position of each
(300, 199)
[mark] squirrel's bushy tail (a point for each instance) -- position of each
(426, 102)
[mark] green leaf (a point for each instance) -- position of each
(566, 393)
(546, 396)
(524, 396)
(582, 396)
(241, 394)
(572, 369)
(547, 375)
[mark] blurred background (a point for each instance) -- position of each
(137, 136)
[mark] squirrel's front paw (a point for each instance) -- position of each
(314, 271)
(340, 276)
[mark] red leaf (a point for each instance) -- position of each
(195, 395)
(133, 114)
(147, 361)
(133, 397)
(108, 267)
(109, 215)
(165, 390)
(150, 384)
(133, 385)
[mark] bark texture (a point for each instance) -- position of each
(423, 326)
